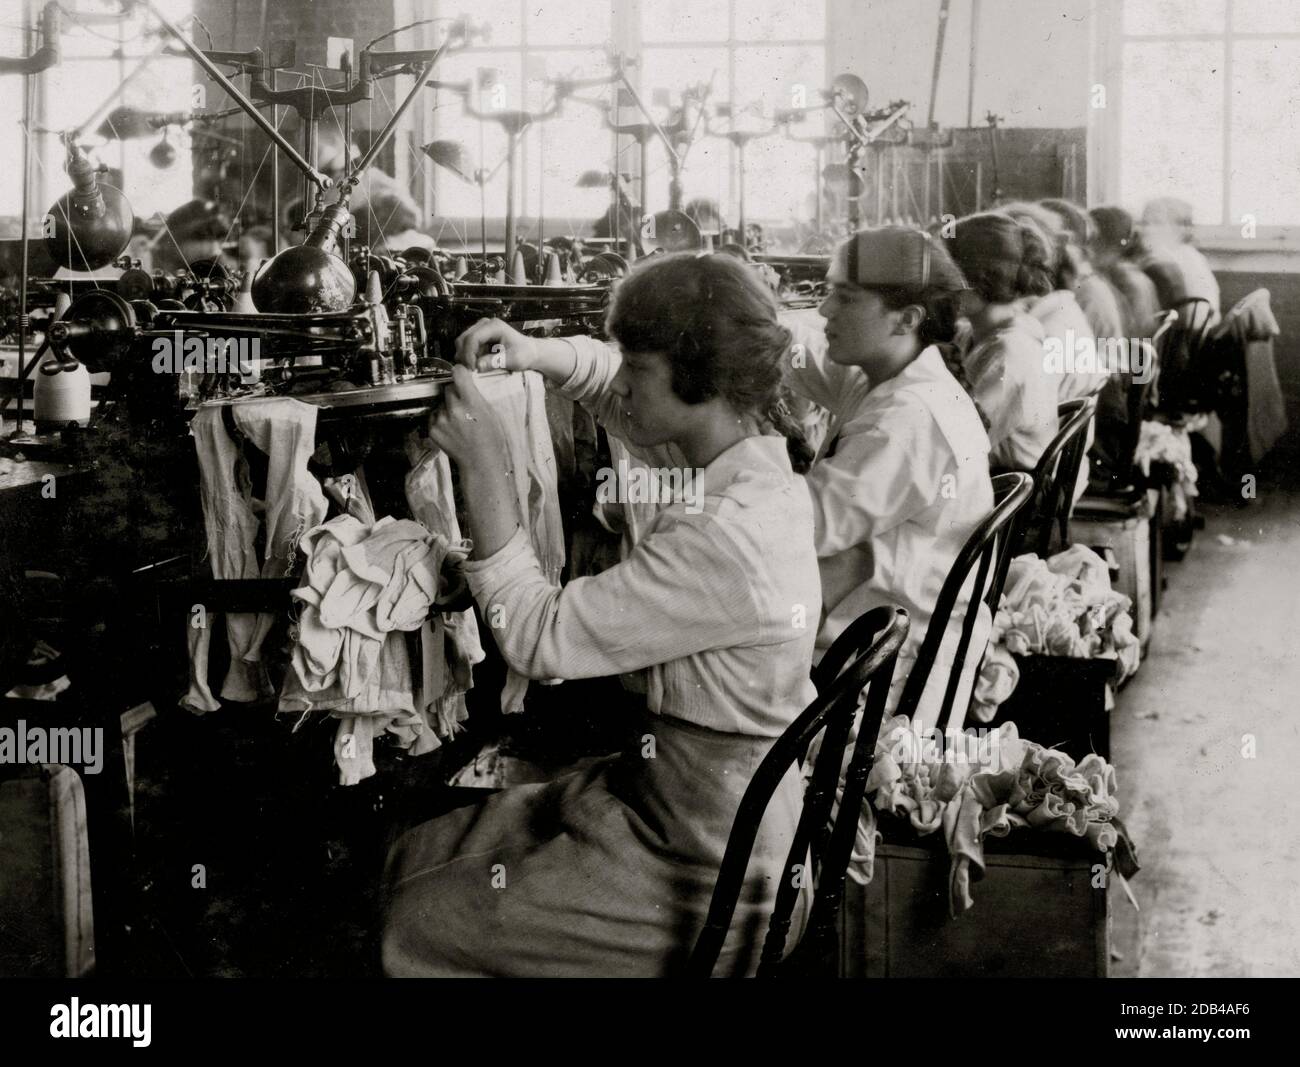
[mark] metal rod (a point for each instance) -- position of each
(659, 130)
(23, 370)
(512, 150)
(482, 220)
(820, 154)
(386, 135)
(740, 189)
(347, 154)
(541, 203)
(275, 156)
(321, 181)
(938, 61)
(275, 178)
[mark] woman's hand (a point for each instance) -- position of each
(466, 427)
(491, 344)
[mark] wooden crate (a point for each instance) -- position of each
(46, 915)
(1060, 702)
(1035, 916)
(1129, 537)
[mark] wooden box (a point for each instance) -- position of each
(1060, 702)
(1035, 915)
(1128, 534)
(46, 921)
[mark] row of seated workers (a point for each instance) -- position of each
(929, 358)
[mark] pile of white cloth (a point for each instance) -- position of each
(1062, 606)
(366, 585)
(1161, 443)
(982, 784)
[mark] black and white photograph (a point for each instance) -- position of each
(649, 489)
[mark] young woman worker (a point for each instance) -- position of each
(609, 871)
(902, 478)
(1006, 264)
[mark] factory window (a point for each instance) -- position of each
(513, 72)
(1218, 83)
(758, 56)
(100, 50)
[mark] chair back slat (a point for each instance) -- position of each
(1141, 395)
(1181, 352)
(992, 538)
(967, 630)
(833, 710)
(833, 870)
(1055, 477)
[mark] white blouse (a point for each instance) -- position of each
(901, 483)
(1012, 388)
(718, 602)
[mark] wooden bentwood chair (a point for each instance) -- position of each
(866, 652)
(990, 544)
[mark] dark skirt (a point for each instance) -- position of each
(606, 871)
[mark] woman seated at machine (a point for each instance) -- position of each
(610, 870)
(902, 479)
(1059, 310)
(1005, 263)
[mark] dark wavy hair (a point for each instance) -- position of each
(717, 323)
(1003, 258)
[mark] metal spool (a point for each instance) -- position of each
(97, 329)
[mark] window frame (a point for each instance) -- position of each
(1104, 125)
(625, 38)
(48, 180)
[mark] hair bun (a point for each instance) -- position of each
(1035, 275)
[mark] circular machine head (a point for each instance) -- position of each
(96, 329)
(604, 267)
(671, 231)
(850, 94)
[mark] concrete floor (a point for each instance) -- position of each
(1218, 831)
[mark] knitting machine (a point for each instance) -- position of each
(296, 326)
(350, 327)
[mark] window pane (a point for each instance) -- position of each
(1266, 16)
(684, 20)
(564, 147)
(777, 171)
(569, 22)
(1174, 16)
(707, 171)
(495, 77)
(501, 15)
(164, 86)
(11, 108)
(780, 77)
(1265, 142)
(1171, 125)
(778, 181)
(776, 20)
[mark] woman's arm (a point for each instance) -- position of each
(582, 367)
(810, 373)
(684, 589)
